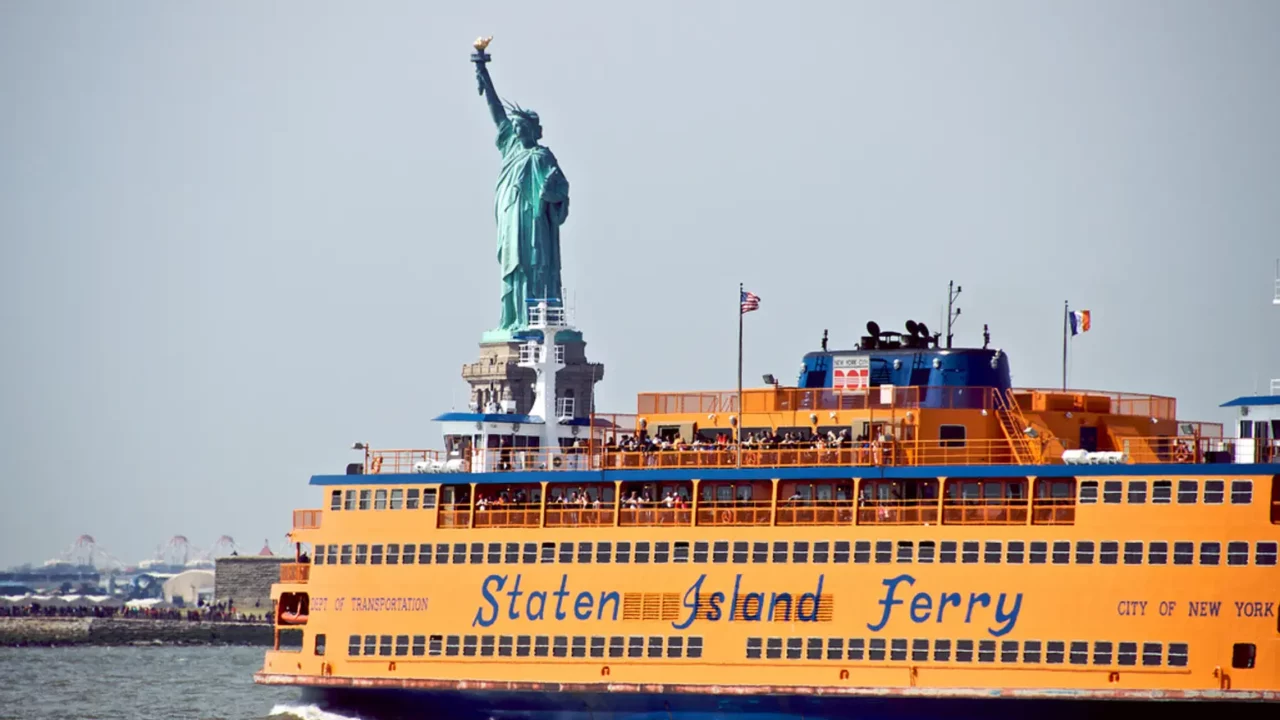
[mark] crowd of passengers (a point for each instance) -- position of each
(758, 440)
(582, 499)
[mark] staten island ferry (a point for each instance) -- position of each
(902, 533)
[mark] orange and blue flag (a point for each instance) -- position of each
(1079, 322)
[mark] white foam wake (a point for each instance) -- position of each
(308, 712)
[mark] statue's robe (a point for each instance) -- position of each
(531, 201)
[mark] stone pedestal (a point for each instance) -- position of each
(497, 376)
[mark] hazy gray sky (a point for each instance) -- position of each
(239, 236)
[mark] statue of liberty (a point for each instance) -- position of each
(530, 202)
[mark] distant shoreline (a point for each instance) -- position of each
(112, 631)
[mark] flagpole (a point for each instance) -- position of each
(1065, 315)
(738, 426)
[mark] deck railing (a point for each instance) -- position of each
(295, 572)
(898, 512)
(307, 519)
(569, 515)
(979, 511)
(732, 513)
(655, 517)
(509, 515)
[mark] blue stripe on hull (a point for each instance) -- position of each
(492, 705)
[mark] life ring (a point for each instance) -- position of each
(557, 461)
(376, 465)
(1182, 454)
(726, 517)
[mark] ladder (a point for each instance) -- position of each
(1014, 423)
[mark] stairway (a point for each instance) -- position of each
(1013, 422)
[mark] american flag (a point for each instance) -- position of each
(750, 302)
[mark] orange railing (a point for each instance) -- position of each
(306, 519)
(784, 399)
(655, 516)
(509, 515)
(729, 513)
(567, 515)
(815, 512)
(978, 511)
(538, 459)
(388, 462)
(295, 572)
(1053, 511)
(457, 515)
(1103, 401)
(898, 512)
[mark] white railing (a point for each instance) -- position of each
(1275, 386)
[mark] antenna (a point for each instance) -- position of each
(1276, 299)
(953, 292)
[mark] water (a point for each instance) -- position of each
(141, 683)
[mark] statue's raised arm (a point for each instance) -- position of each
(480, 58)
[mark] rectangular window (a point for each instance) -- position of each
(393, 554)
(529, 553)
(991, 551)
(862, 551)
(947, 553)
(353, 645)
(969, 552)
(397, 499)
(1031, 651)
(1061, 552)
(579, 646)
(380, 500)
(841, 551)
(793, 648)
(964, 651)
(494, 555)
(740, 552)
(505, 646)
(319, 555)
(541, 646)
(1079, 653)
(370, 644)
(375, 555)
(617, 646)
(1109, 552)
(349, 500)
(884, 551)
(623, 554)
(1157, 553)
(1133, 552)
(906, 549)
(384, 645)
(560, 646)
(1188, 492)
(700, 550)
(335, 500)
(1008, 651)
(941, 650)
(402, 645)
(986, 651)
(760, 552)
(411, 499)
(584, 551)
(597, 646)
(642, 552)
(566, 552)
(898, 649)
(1111, 491)
(523, 643)
(951, 436)
(362, 554)
(1128, 654)
(469, 645)
(1137, 492)
(813, 649)
(477, 553)
(876, 649)
(435, 646)
(366, 499)
(1184, 553)
(408, 553)
(927, 551)
(835, 648)
(1241, 492)
(1039, 552)
(693, 648)
(460, 553)
(1213, 490)
(1210, 553)
(1265, 554)
(655, 646)
(429, 499)
(821, 551)
(1177, 654)
(1055, 652)
(346, 554)
(799, 552)
(452, 645)
(1237, 553)
(1102, 653)
(857, 648)
(635, 646)
(1162, 492)
(511, 555)
(604, 551)
(1016, 552)
(1152, 654)
(1088, 492)
(753, 648)
(1084, 552)
(662, 552)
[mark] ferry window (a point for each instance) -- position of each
(1055, 652)
(1133, 552)
(813, 649)
(522, 645)
(584, 552)
(436, 645)
(408, 553)
(580, 646)
(375, 555)
(635, 646)
(951, 436)
(1210, 553)
(1265, 554)
(1128, 654)
(1237, 553)
(384, 645)
(662, 552)
(504, 646)
(1213, 492)
(925, 555)
(349, 500)
(365, 496)
(800, 552)
(948, 552)
(1009, 651)
(1111, 491)
(884, 551)
(1079, 654)
(560, 646)
(541, 646)
(876, 651)
(720, 552)
(642, 552)
(512, 554)
(970, 552)
(469, 645)
(1061, 552)
(419, 645)
(1102, 653)
(495, 553)
(442, 554)
(941, 650)
(370, 644)
(335, 500)
(694, 648)
(964, 651)
(477, 553)
(459, 553)
(603, 551)
(623, 554)
(759, 552)
(1184, 553)
(700, 551)
(1162, 492)
(1177, 654)
(566, 552)
(319, 555)
(1088, 492)
(862, 551)
(1241, 492)
(428, 498)
(411, 499)
(452, 644)
(1016, 551)
(1031, 651)
(857, 647)
(346, 554)
(986, 651)
(1158, 553)
(397, 499)
(597, 646)
(1084, 552)
(680, 552)
(780, 551)
(841, 551)
(1137, 492)
(753, 648)
(353, 645)
(835, 648)
(740, 551)
(393, 554)
(380, 500)
(529, 554)
(898, 649)
(402, 645)
(906, 549)
(991, 553)
(1039, 552)
(1152, 653)
(1188, 492)
(617, 645)
(362, 554)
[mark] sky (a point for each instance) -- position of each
(238, 237)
